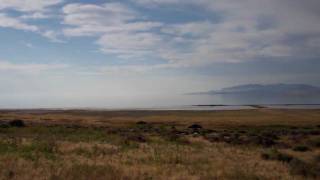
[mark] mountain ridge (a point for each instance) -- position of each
(266, 89)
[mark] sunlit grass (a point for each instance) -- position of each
(112, 145)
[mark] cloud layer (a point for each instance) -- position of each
(248, 30)
(228, 30)
(28, 10)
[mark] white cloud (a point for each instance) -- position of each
(248, 30)
(16, 23)
(10, 22)
(94, 20)
(269, 29)
(129, 43)
(30, 10)
(134, 69)
(119, 29)
(53, 36)
(29, 68)
(35, 15)
(27, 44)
(28, 5)
(87, 19)
(100, 28)
(241, 35)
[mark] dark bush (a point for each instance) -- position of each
(136, 138)
(301, 148)
(176, 138)
(3, 124)
(195, 126)
(315, 142)
(141, 123)
(17, 123)
(314, 132)
(317, 159)
(144, 127)
(213, 137)
(72, 126)
(284, 157)
(242, 132)
(276, 155)
(261, 140)
(299, 167)
(271, 135)
(267, 142)
(265, 156)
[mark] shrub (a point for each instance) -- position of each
(8, 147)
(136, 138)
(261, 140)
(317, 158)
(17, 123)
(284, 157)
(315, 142)
(33, 151)
(195, 126)
(299, 167)
(276, 155)
(270, 134)
(3, 124)
(265, 156)
(301, 148)
(141, 123)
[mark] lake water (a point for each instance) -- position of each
(173, 102)
(235, 102)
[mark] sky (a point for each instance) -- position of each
(138, 53)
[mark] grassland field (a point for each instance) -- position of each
(129, 145)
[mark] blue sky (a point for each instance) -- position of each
(105, 53)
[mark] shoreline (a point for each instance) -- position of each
(200, 107)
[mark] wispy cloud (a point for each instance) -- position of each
(27, 44)
(29, 9)
(9, 22)
(270, 29)
(30, 67)
(35, 15)
(120, 30)
(18, 24)
(53, 36)
(28, 5)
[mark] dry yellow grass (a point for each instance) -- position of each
(155, 161)
(64, 145)
(210, 119)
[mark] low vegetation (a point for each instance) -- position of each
(160, 145)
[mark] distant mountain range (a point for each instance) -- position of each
(289, 90)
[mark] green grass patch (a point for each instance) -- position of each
(31, 151)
